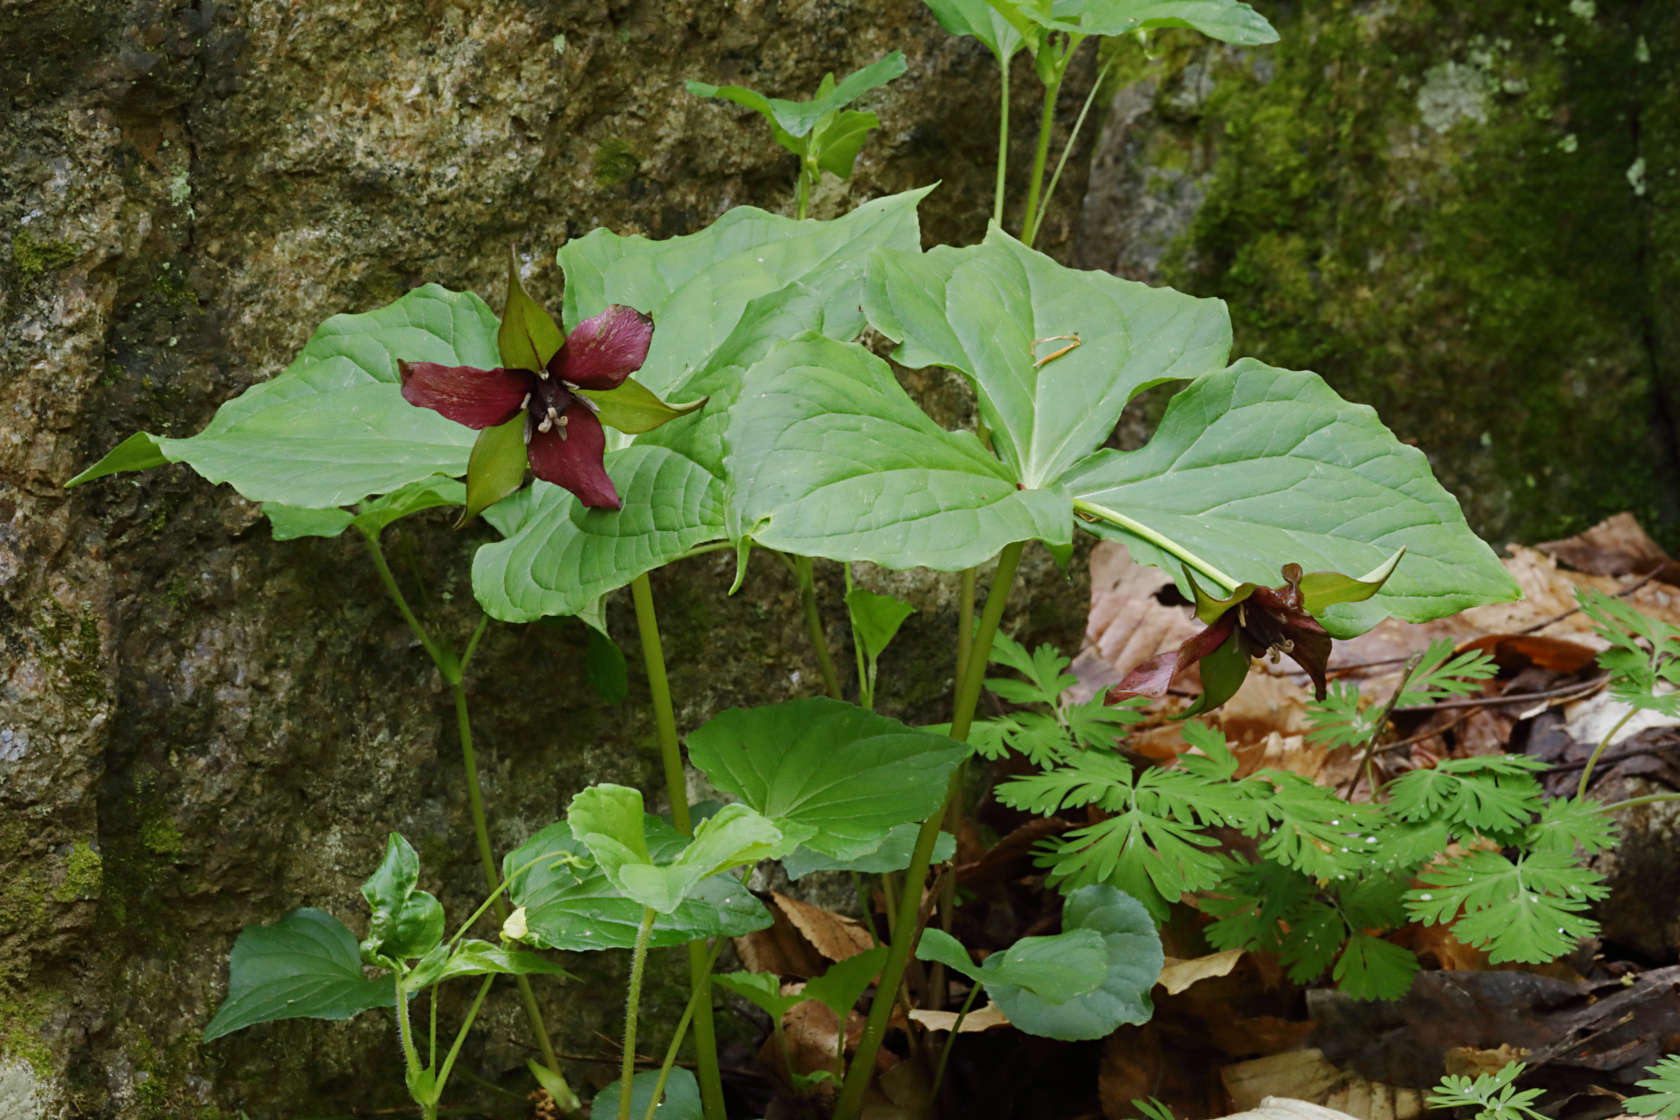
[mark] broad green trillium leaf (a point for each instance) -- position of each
(1226, 20)
(721, 298)
(570, 904)
(1256, 465)
(473, 957)
(608, 819)
(290, 522)
(333, 428)
(843, 774)
(832, 458)
(1054, 353)
(981, 20)
(305, 966)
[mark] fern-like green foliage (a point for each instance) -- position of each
(1644, 653)
(1492, 1095)
(1663, 1101)
(1342, 720)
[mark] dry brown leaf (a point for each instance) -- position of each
(1468, 1061)
(812, 1034)
(780, 950)
(1127, 624)
(1307, 1075)
(834, 936)
(984, 1019)
(1178, 975)
(1616, 546)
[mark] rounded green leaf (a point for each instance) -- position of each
(680, 1102)
(847, 774)
(891, 854)
(305, 966)
(569, 903)
(1134, 964)
(1055, 969)
(1255, 467)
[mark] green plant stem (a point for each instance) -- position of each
(1073, 137)
(461, 1035)
(945, 1051)
(1586, 771)
(665, 720)
(866, 686)
(1003, 143)
(1092, 511)
(453, 670)
(1644, 799)
(1041, 154)
(632, 1001)
(802, 198)
(813, 624)
(677, 1036)
(965, 620)
(405, 1033)
(850, 1102)
(865, 908)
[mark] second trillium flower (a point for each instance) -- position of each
(547, 401)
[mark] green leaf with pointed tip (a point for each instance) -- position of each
(680, 1102)
(608, 819)
(722, 298)
(839, 988)
(139, 452)
(837, 142)
(305, 966)
(844, 773)
(569, 904)
(1134, 964)
(1257, 466)
(1226, 20)
(792, 120)
(606, 668)
(406, 922)
(982, 21)
(1326, 589)
(496, 467)
(333, 428)
(941, 948)
(633, 408)
(891, 854)
(832, 458)
(876, 618)
(761, 989)
(528, 336)
(1054, 353)
(288, 523)
(473, 957)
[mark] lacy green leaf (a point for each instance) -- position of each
(1663, 1101)
(305, 966)
(1257, 466)
(1371, 968)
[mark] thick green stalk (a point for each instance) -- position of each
(676, 786)
(802, 201)
(813, 624)
(453, 670)
(1041, 155)
(633, 1001)
(1003, 143)
(1093, 512)
(850, 1102)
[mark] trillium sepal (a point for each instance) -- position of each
(547, 401)
(1255, 621)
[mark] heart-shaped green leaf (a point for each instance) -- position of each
(608, 819)
(721, 299)
(1256, 466)
(844, 774)
(1134, 963)
(680, 1102)
(569, 904)
(333, 428)
(981, 20)
(407, 922)
(305, 966)
(836, 143)
(876, 618)
(832, 458)
(843, 984)
(1054, 353)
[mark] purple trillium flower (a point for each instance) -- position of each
(563, 435)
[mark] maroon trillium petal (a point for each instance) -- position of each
(574, 462)
(1153, 677)
(478, 398)
(604, 350)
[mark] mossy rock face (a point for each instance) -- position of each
(1462, 214)
(202, 729)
